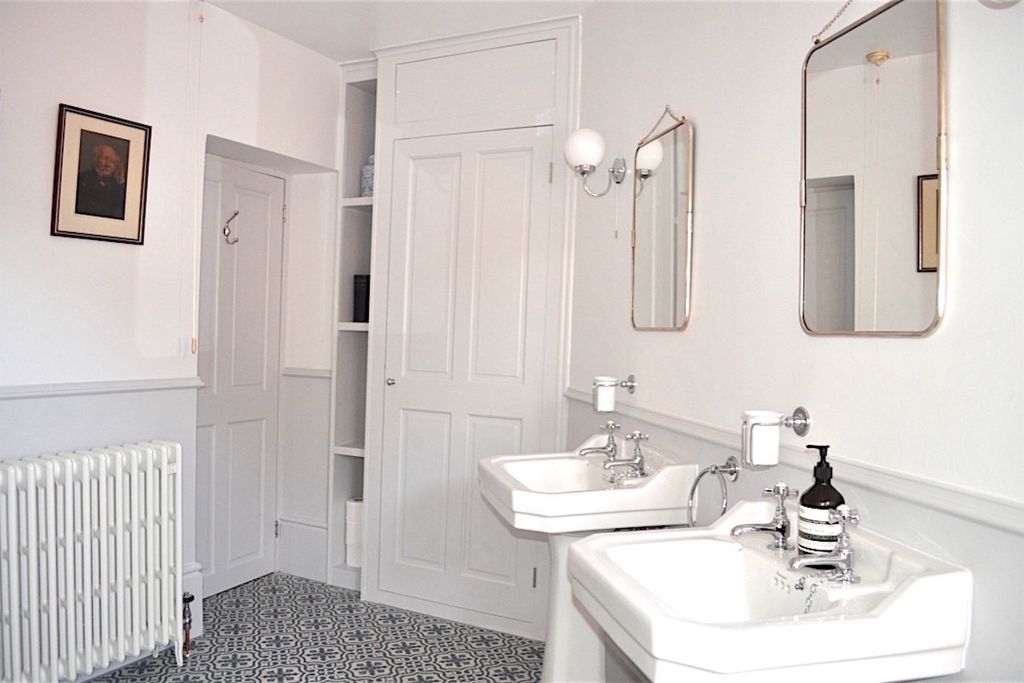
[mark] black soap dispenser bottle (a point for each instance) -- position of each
(816, 535)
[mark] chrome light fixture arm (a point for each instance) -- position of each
(616, 174)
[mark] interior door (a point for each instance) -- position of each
(239, 342)
(464, 356)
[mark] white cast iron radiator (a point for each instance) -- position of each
(90, 559)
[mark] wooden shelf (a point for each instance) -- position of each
(351, 450)
(357, 202)
(353, 327)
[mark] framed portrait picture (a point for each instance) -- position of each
(99, 183)
(927, 223)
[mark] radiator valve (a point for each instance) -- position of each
(186, 622)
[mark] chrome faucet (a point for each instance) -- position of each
(778, 527)
(610, 449)
(636, 466)
(841, 559)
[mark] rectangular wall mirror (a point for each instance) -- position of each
(663, 226)
(873, 177)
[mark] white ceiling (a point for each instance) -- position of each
(345, 30)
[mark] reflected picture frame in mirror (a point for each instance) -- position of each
(869, 269)
(662, 250)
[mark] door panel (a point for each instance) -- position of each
(501, 265)
(423, 478)
(239, 343)
(430, 263)
(465, 331)
(484, 538)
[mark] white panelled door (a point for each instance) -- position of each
(239, 342)
(465, 348)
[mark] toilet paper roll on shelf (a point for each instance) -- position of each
(354, 555)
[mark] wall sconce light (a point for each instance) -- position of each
(584, 150)
(760, 435)
(648, 159)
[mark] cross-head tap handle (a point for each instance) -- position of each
(637, 435)
(781, 490)
(844, 515)
(610, 426)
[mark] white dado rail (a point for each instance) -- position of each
(88, 388)
(971, 505)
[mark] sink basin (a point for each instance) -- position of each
(565, 492)
(699, 604)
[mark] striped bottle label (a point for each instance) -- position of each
(815, 534)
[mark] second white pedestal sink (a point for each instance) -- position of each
(700, 605)
(564, 495)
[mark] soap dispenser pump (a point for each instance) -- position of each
(816, 534)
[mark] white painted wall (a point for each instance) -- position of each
(941, 408)
(76, 310)
(309, 271)
(262, 90)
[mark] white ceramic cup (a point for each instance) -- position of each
(760, 429)
(603, 395)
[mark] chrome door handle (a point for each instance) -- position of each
(390, 381)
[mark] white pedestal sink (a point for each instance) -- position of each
(700, 605)
(562, 495)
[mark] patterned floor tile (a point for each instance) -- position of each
(286, 629)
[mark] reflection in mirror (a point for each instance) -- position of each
(663, 225)
(873, 216)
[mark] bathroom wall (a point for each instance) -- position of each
(94, 336)
(129, 61)
(936, 408)
(924, 419)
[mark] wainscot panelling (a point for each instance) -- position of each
(302, 486)
(972, 531)
(49, 418)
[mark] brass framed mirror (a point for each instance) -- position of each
(662, 234)
(873, 176)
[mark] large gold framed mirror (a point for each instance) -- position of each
(662, 235)
(873, 181)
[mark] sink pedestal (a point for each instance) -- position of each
(574, 651)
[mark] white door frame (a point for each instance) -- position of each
(204, 545)
(562, 117)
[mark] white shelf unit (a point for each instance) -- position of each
(348, 374)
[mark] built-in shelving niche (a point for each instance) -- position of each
(350, 338)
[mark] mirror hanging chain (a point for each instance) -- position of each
(668, 112)
(816, 38)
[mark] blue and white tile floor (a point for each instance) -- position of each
(286, 629)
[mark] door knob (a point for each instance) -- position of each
(390, 381)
